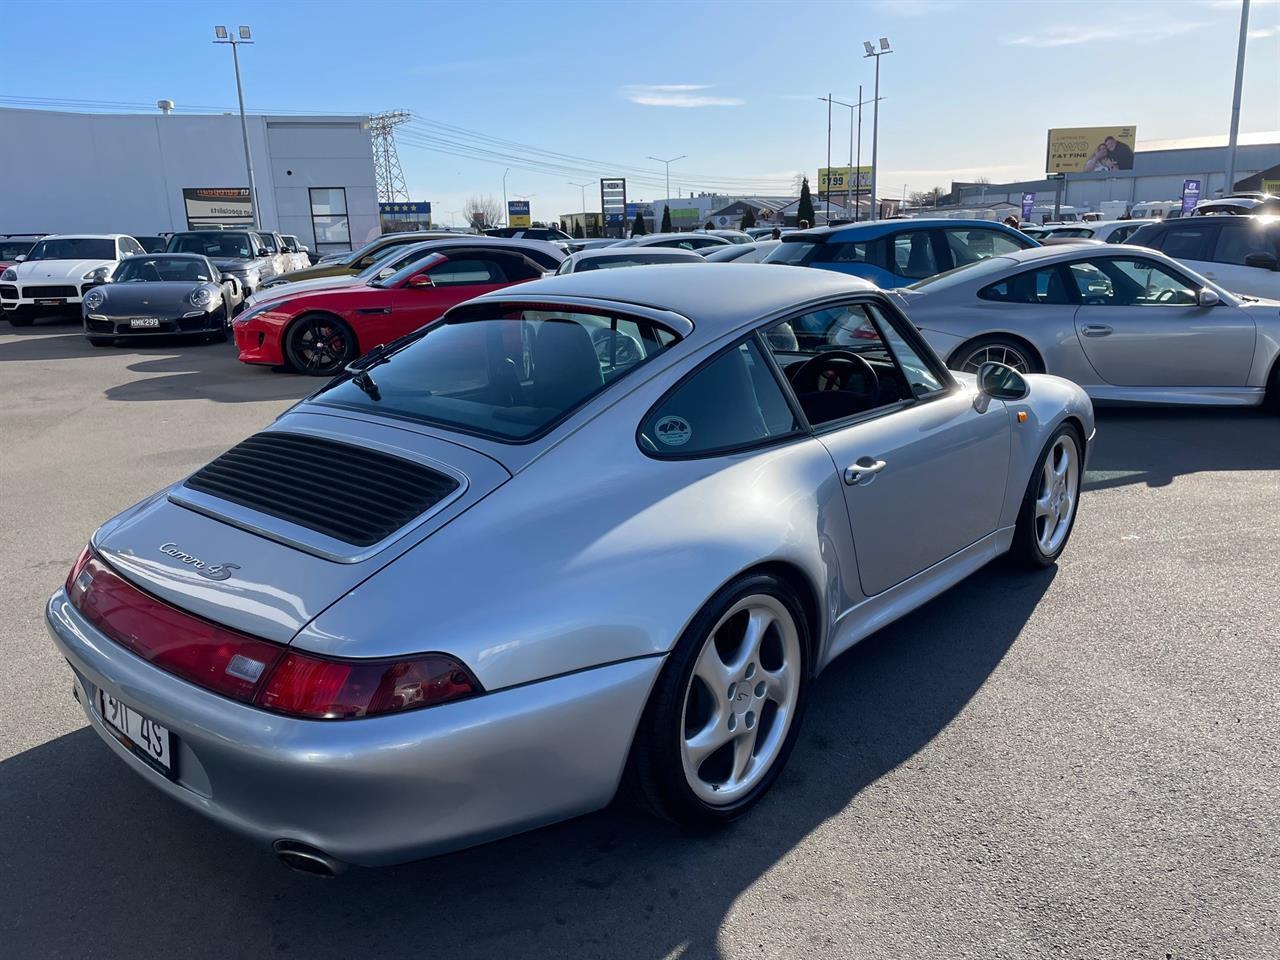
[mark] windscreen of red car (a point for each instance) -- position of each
(511, 375)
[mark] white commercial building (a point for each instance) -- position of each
(144, 174)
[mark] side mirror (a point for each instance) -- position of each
(420, 281)
(263, 252)
(1264, 261)
(1208, 298)
(999, 382)
(20, 257)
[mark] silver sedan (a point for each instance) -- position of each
(1127, 323)
(613, 522)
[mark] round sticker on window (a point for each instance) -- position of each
(673, 431)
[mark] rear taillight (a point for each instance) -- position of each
(255, 671)
(306, 686)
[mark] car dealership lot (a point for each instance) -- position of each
(1078, 763)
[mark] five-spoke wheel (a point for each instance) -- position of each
(1049, 506)
(319, 345)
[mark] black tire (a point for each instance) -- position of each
(997, 348)
(1027, 550)
(100, 341)
(1271, 401)
(223, 331)
(22, 317)
(655, 777)
(320, 345)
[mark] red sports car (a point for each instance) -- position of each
(321, 331)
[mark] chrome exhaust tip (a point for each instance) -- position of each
(304, 859)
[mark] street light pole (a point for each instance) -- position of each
(583, 188)
(828, 159)
(875, 118)
(504, 196)
(1229, 186)
(669, 163)
(222, 35)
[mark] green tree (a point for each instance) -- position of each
(577, 230)
(749, 218)
(805, 210)
(637, 226)
(666, 219)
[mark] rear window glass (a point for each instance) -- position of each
(213, 243)
(790, 251)
(510, 376)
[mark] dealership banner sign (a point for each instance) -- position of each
(842, 179)
(1090, 149)
(518, 213)
(217, 205)
(1028, 204)
(1190, 196)
(613, 204)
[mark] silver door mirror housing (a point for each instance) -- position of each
(20, 258)
(999, 382)
(1208, 298)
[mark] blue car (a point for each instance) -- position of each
(895, 253)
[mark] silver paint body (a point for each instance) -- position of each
(561, 573)
(1219, 355)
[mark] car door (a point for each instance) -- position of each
(462, 274)
(1140, 325)
(923, 469)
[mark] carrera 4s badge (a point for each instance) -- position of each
(214, 571)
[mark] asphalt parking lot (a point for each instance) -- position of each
(1078, 763)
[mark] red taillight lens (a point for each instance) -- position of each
(307, 686)
(256, 671)
(211, 656)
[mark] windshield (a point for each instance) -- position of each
(790, 251)
(213, 243)
(505, 372)
(415, 266)
(157, 269)
(74, 248)
(393, 259)
(970, 271)
(12, 249)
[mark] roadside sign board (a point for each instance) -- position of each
(1190, 196)
(613, 204)
(1090, 149)
(841, 180)
(220, 205)
(518, 213)
(1028, 204)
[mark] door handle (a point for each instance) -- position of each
(863, 469)
(1096, 330)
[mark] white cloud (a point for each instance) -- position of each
(1263, 32)
(676, 95)
(1132, 32)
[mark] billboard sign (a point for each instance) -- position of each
(841, 180)
(1028, 204)
(1190, 196)
(518, 213)
(398, 216)
(613, 204)
(207, 206)
(1090, 149)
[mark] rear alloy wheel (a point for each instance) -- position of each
(996, 350)
(319, 345)
(725, 712)
(1049, 506)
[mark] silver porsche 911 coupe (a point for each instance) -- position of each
(601, 524)
(1127, 323)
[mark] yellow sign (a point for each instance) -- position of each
(841, 179)
(1090, 149)
(1271, 186)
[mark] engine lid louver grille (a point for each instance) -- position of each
(353, 494)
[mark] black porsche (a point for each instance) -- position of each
(164, 293)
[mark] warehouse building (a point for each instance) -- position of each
(144, 174)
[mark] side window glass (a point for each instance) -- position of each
(1094, 286)
(913, 255)
(920, 376)
(733, 402)
(455, 272)
(1034, 286)
(1130, 283)
(837, 363)
(1234, 244)
(853, 252)
(1185, 243)
(970, 246)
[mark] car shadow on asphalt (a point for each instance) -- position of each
(207, 372)
(92, 854)
(1153, 446)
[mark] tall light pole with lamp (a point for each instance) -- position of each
(583, 188)
(504, 195)
(668, 163)
(1229, 187)
(243, 36)
(875, 116)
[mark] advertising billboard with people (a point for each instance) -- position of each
(1090, 149)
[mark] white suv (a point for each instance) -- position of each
(58, 272)
(1241, 253)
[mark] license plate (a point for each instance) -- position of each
(57, 302)
(142, 734)
(139, 322)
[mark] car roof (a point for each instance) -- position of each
(875, 228)
(85, 236)
(518, 243)
(606, 253)
(716, 297)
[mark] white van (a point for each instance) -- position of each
(1155, 209)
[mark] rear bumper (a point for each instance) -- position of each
(380, 790)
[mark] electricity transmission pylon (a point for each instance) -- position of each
(386, 162)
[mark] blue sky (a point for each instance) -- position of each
(970, 89)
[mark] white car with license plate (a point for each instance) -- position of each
(58, 272)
